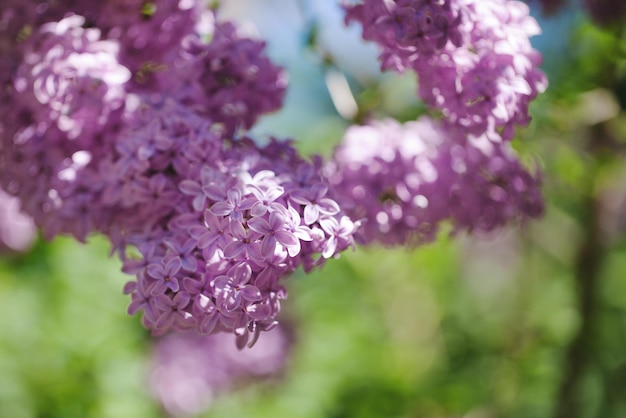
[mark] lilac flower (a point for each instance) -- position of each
(212, 235)
(172, 311)
(245, 241)
(152, 140)
(340, 233)
(233, 289)
(184, 252)
(210, 314)
(275, 267)
(141, 294)
(165, 274)
(199, 190)
(234, 206)
(273, 232)
(315, 203)
(265, 199)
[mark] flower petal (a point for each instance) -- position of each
(268, 246)
(311, 213)
(250, 293)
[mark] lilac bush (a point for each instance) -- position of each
(131, 119)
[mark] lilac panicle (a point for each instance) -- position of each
(229, 80)
(473, 58)
(67, 98)
(243, 241)
(403, 180)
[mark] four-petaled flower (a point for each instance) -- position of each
(172, 310)
(245, 241)
(265, 199)
(184, 252)
(273, 232)
(232, 290)
(234, 206)
(165, 276)
(315, 202)
(340, 234)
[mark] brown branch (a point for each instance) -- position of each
(591, 254)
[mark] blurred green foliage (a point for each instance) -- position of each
(475, 328)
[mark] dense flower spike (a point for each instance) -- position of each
(71, 77)
(473, 58)
(239, 226)
(228, 80)
(148, 31)
(402, 181)
(90, 145)
(68, 100)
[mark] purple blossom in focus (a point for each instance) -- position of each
(243, 242)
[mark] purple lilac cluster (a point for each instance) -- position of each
(188, 372)
(121, 118)
(477, 69)
(228, 80)
(76, 90)
(67, 97)
(473, 58)
(404, 180)
(125, 121)
(229, 221)
(148, 32)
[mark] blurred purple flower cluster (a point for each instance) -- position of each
(405, 180)
(130, 119)
(188, 372)
(476, 69)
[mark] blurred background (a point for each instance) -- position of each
(528, 322)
